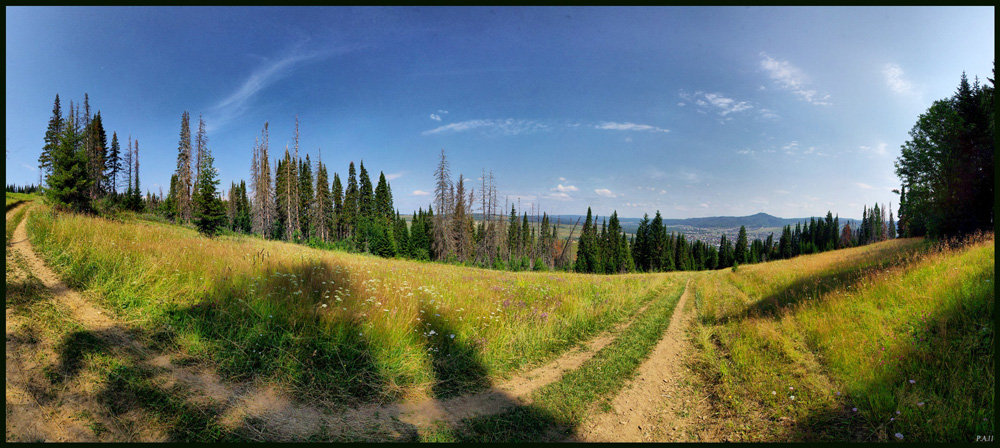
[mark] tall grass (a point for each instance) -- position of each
(337, 326)
(892, 341)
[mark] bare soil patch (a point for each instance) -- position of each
(663, 402)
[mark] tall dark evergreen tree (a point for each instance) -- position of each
(306, 226)
(211, 212)
(741, 254)
(351, 201)
(69, 181)
(52, 140)
(114, 165)
(339, 213)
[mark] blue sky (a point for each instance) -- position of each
(690, 111)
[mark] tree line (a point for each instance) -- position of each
(946, 167)
(77, 168)
(287, 201)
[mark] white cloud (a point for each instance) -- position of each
(746, 151)
(863, 185)
(726, 105)
(663, 191)
(627, 126)
(442, 112)
(562, 179)
(420, 193)
(721, 104)
(628, 139)
(604, 192)
(563, 189)
(32, 168)
(790, 77)
(559, 196)
(435, 117)
(682, 104)
(893, 74)
(791, 147)
(393, 176)
(703, 205)
(507, 126)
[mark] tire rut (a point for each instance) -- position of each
(642, 412)
(267, 413)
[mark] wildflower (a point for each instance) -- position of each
(453, 336)
(897, 412)
(791, 388)
(912, 381)
(774, 393)
(432, 333)
(920, 404)
(793, 397)
(854, 409)
(838, 394)
(324, 305)
(899, 436)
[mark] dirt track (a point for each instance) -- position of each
(275, 415)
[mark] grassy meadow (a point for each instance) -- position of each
(888, 342)
(334, 326)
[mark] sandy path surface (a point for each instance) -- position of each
(659, 404)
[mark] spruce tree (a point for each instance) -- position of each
(339, 221)
(741, 255)
(323, 205)
(211, 212)
(69, 181)
(306, 225)
(184, 170)
(52, 139)
(351, 200)
(366, 197)
(114, 165)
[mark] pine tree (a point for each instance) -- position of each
(69, 181)
(383, 201)
(514, 235)
(323, 205)
(95, 149)
(184, 170)
(211, 213)
(52, 139)
(339, 220)
(366, 197)
(306, 224)
(114, 165)
(462, 239)
(351, 200)
(741, 255)
(201, 142)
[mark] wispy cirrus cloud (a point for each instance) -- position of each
(393, 176)
(790, 77)
(272, 70)
(863, 185)
(507, 126)
(628, 126)
(896, 81)
(512, 126)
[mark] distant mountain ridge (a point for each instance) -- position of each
(712, 222)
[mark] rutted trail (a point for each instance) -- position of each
(255, 411)
(638, 414)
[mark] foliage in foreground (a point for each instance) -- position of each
(342, 326)
(890, 341)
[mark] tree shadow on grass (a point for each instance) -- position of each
(814, 286)
(457, 362)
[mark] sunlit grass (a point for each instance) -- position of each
(845, 332)
(341, 326)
